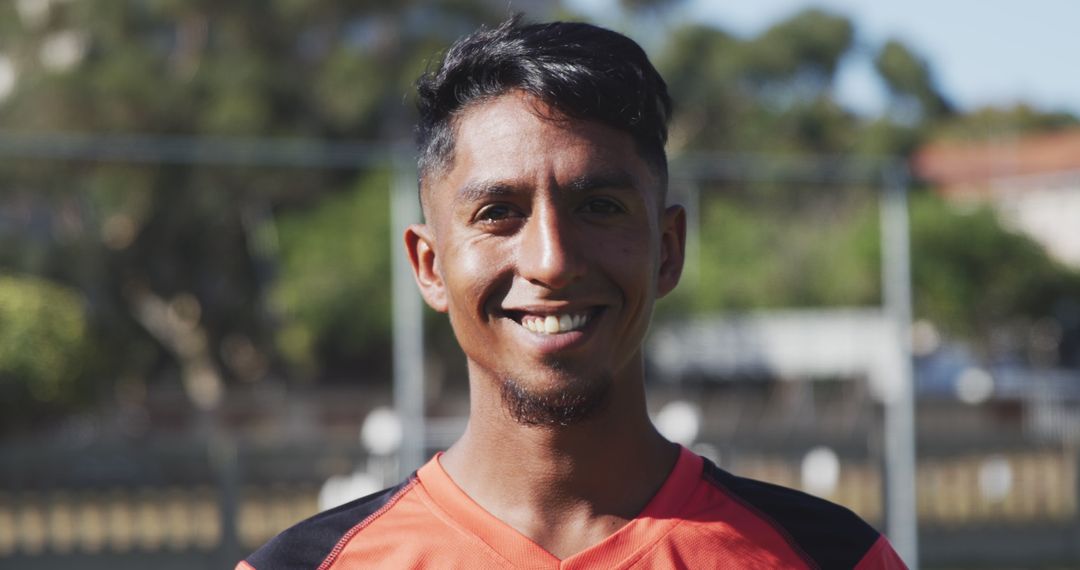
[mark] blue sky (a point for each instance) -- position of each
(982, 52)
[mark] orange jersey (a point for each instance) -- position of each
(702, 517)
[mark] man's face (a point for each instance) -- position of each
(547, 244)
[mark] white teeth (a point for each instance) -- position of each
(551, 324)
(554, 324)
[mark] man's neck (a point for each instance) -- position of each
(565, 487)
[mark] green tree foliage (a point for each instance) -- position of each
(996, 123)
(971, 275)
(771, 92)
(759, 258)
(43, 347)
(335, 274)
(648, 5)
(909, 79)
(700, 67)
(142, 239)
(766, 245)
(289, 267)
(804, 49)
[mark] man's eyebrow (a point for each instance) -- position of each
(594, 181)
(478, 190)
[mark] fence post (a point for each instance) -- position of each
(900, 493)
(1074, 555)
(225, 463)
(408, 320)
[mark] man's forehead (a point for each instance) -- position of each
(498, 142)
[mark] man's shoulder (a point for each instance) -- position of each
(309, 543)
(825, 534)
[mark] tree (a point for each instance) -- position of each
(768, 244)
(802, 51)
(995, 123)
(333, 290)
(173, 256)
(972, 276)
(768, 92)
(44, 347)
(648, 5)
(910, 82)
(224, 274)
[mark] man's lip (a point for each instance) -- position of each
(516, 313)
(556, 343)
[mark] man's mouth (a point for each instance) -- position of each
(554, 323)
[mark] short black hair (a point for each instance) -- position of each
(580, 70)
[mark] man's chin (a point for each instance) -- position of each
(566, 405)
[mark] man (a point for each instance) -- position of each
(547, 240)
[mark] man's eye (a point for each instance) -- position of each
(602, 206)
(495, 213)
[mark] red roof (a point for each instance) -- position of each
(960, 167)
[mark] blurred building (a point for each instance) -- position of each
(789, 375)
(1032, 181)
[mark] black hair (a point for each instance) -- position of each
(580, 70)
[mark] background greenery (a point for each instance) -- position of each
(216, 278)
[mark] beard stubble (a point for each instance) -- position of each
(568, 405)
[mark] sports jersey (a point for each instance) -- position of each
(702, 517)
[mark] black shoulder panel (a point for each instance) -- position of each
(306, 544)
(825, 534)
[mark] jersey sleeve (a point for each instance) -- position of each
(311, 543)
(881, 557)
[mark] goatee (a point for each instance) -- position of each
(558, 408)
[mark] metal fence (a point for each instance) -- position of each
(979, 501)
(191, 504)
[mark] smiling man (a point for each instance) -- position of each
(547, 241)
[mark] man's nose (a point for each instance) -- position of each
(551, 253)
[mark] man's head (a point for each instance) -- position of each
(547, 240)
(582, 71)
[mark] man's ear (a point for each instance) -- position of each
(421, 249)
(672, 249)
